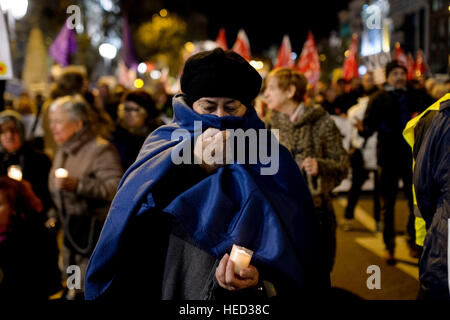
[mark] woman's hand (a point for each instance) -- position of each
(67, 184)
(51, 223)
(227, 279)
(211, 152)
(359, 125)
(311, 166)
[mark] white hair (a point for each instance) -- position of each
(75, 105)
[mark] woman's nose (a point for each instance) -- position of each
(220, 112)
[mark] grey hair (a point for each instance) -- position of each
(76, 107)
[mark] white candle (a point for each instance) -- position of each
(61, 173)
(15, 172)
(241, 257)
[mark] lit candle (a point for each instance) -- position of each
(15, 172)
(61, 173)
(241, 257)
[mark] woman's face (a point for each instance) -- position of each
(10, 136)
(63, 127)
(275, 97)
(219, 106)
(134, 115)
(5, 210)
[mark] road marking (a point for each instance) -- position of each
(375, 243)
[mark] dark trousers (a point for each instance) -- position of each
(359, 176)
(389, 178)
(327, 219)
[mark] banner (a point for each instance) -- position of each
(284, 55)
(6, 71)
(64, 46)
(350, 68)
(221, 40)
(129, 55)
(399, 55)
(309, 63)
(242, 45)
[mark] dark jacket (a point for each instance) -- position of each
(29, 262)
(432, 188)
(35, 167)
(385, 115)
(128, 144)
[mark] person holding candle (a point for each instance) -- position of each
(33, 164)
(83, 180)
(171, 227)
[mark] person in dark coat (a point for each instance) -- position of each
(137, 118)
(14, 150)
(432, 189)
(172, 224)
(387, 113)
(28, 250)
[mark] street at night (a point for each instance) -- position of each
(225, 159)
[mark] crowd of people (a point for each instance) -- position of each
(97, 187)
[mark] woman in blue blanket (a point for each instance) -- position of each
(172, 225)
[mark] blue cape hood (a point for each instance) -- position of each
(273, 215)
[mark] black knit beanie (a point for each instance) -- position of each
(393, 65)
(219, 73)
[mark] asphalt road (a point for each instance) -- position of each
(363, 248)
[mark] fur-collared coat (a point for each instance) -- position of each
(314, 134)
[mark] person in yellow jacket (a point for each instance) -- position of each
(426, 134)
(414, 134)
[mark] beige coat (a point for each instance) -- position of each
(95, 162)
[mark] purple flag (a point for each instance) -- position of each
(64, 46)
(128, 51)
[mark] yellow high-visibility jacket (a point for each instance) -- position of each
(410, 137)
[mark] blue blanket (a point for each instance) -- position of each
(273, 215)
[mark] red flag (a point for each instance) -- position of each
(350, 68)
(410, 68)
(421, 66)
(242, 45)
(284, 55)
(222, 39)
(399, 55)
(309, 63)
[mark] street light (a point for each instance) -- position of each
(142, 67)
(18, 8)
(258, 65)
(107, 51)
(155, 74)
